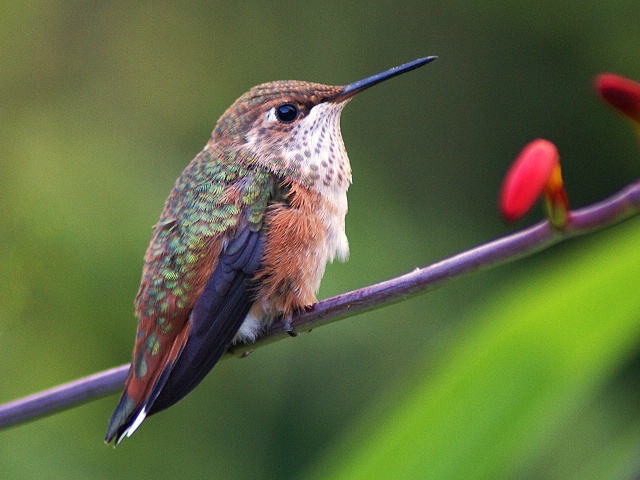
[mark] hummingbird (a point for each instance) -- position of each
(243, 239)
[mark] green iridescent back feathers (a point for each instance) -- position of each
(213, 197)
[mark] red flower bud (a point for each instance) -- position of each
(535, 172)
(620, 92)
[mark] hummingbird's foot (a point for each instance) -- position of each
(287, 321)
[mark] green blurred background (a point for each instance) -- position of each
(531, 370)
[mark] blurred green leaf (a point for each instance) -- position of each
(524, 365)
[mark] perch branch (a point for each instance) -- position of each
(618, 207)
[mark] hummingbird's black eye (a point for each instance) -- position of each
(287, 112)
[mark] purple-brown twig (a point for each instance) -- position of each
(612, 210)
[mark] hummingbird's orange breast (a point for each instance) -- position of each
(301, 239)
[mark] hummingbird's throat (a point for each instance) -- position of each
(318, 149)
(311, 151)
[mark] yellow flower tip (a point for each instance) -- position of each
(556, 201)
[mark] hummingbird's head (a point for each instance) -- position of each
(293, 128)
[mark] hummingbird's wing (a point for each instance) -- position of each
(215, 318)
(197, 283)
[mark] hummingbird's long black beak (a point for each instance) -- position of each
(355, 87)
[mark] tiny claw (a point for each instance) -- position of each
(246, 353)
(287, 322)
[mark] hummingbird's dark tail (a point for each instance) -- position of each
(125, 416)
(129, 413)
